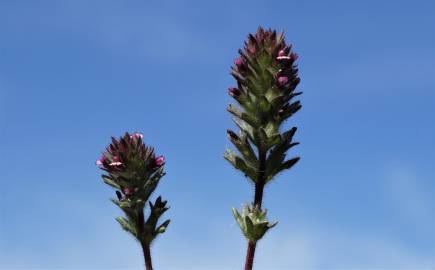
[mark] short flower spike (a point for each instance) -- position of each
(134, 171)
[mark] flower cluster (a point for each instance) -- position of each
(266, 76)
(130, 164)
(134, 171)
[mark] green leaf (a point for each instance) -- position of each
(263, 105)
(125, 224)
(109, 181)
(240, 164)
(237, 216)
(237, 75)
(162, 228)
(290, 110)
(284, 166)
(243, 115)
(289, 163)
(246, 128)
(249, 230)
(278, 153)
(243, 146)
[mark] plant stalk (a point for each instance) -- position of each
(147, 256)
(258, 199)
(250, 255)
(145, 246)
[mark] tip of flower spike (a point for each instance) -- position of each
(281, 53)
(136, 136)
(160, 160)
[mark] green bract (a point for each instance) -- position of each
(252, 221)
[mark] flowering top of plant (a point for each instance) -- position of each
(266, 76)
(131, 166)
(134, 171)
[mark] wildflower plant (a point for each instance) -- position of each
(134, 171)
(266, 77)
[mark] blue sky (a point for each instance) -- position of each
(74, 73)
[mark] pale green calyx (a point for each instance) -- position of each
(252, 221)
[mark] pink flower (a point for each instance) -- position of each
(282, 80)
(115, 164)
(238, 62)
(283, 57)
(100, 161)
(136, 136)
(127, 191)
(115, 161)
(159, 161)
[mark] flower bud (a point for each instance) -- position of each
(234, 92)
(100, 161)
(136, 136)
(159, 161)
(281, 53)
(127, 191)
(282, 81)
(115, 161)
(238, 62)
(114, 164)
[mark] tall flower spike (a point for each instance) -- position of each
(134, 171)
(266, 76)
